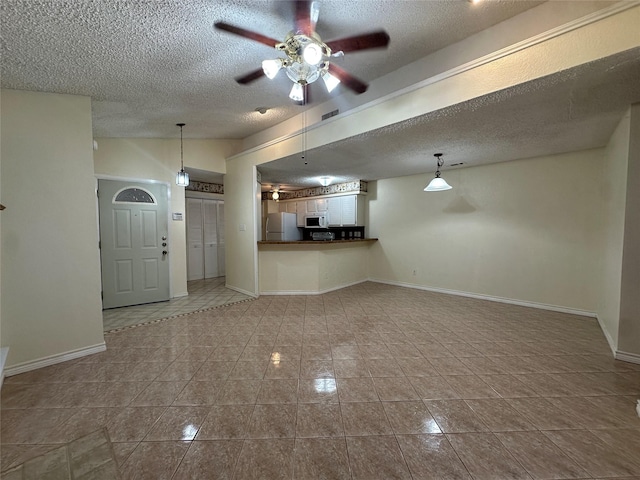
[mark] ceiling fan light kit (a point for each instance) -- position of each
(307, 56)
(438, 184)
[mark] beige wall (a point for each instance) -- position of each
(629, 330)
(525, 230)
(50, 261)
(159, 160)
(613, 188)
(311, 269)
(240, 226)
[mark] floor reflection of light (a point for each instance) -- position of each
(275, 358)
(189, 432)
(325, 385)
(430, 426)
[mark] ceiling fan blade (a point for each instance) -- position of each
(379, 39)
(304, 23)
(347, 79)
(246, 33)
(250, 77)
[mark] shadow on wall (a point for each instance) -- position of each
(459, 205)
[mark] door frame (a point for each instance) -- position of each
(142, 181)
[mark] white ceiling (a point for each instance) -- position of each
(149, 64)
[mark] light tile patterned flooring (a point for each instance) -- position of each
(203, 294)
(368, 382)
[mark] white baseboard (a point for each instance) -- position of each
(521, 303)
(239, 290)
(4, 351)
(612, 344)
(53, 359)
(180, 295)
(627, 357)
(311, 292)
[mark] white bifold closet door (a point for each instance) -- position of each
(205, 227)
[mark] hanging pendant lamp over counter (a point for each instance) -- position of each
(438, 184)
(182, 178)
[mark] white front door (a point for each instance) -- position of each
(134, 243)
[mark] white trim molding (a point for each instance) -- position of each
(607, 336)
(54, 359)
(240, 290)
(491, 298)
(627, 357)
(4, 351)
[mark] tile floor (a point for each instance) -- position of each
(203, 294)
(89, 457)
(368, 382)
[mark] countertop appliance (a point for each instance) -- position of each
(323, 236)
(316, 221)
(282, 227)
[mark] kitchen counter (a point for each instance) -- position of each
(312, 267)
(313, 242)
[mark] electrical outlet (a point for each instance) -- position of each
(414, 272)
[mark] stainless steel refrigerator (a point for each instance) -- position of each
(283, 227)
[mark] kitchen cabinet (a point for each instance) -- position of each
(301, 212)
(321, 205)
(316, 205)
(347, 210)
(287, 207)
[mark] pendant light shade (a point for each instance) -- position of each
(438, 184)
(182, 178)
(325, 181)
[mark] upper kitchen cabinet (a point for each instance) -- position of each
(345, 211)
(287, 207)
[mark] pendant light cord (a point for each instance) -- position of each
(181, 159)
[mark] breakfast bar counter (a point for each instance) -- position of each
(318, 243)
(312, 267)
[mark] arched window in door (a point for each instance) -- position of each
(134, 195)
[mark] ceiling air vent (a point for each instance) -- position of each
(330, 114)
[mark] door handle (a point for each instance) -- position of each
(164, 252)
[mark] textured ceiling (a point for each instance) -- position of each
(149, 64)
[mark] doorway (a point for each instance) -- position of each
(205, 238)
(133, 242)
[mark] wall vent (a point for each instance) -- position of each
(330, 114)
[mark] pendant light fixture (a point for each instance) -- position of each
(182, 178)
(325, 181)
(438, 184)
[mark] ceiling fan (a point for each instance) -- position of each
(307, 56)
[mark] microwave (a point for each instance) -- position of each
(316, 221)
